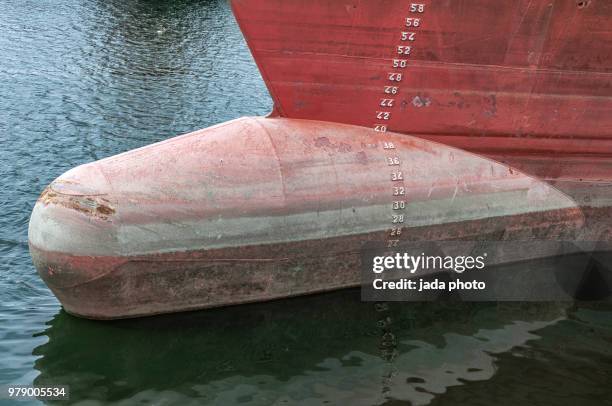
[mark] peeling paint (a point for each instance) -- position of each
(94, 206)
(419, 101)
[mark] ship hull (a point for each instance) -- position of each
(260, 209)
(135, 286)
(527, 83)
(392, 122)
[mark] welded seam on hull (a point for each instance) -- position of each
(267, 230)
(146, 257)
(280, 166)
(446, 64)
(144, 149)
(518, 123)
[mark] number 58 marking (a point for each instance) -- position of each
(417, 8)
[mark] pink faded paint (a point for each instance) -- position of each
(263, 208)
(525, 82)
(258, 209)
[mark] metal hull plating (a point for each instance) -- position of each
(527, 83)
(257, 209)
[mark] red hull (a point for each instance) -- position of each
(258, 209)
(525, 82)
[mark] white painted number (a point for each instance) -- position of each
(417, 8)
(413, 22)
(408, 36)
(391, 89)
(395, 176)
(404, 49)
(400, 63)
(395, 77)
(398, 218)
(392, 161)
(386, 102)
(399, 191)
(396, 231)
(399, 205)
(383, 115)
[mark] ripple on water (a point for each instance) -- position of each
(83, 80)
(86, 80)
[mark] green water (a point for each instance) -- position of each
(84, 79)
(333, 349)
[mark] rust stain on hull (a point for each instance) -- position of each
(93, 206)
(257, 209)
(134, 286)
(202, 233)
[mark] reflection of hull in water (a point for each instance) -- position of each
(258, 209)
(300, 350)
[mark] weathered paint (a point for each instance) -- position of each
(257, 209)
(262, 208)
(526, 82)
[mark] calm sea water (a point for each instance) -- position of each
(84, 79)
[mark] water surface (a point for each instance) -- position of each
(81, 80)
